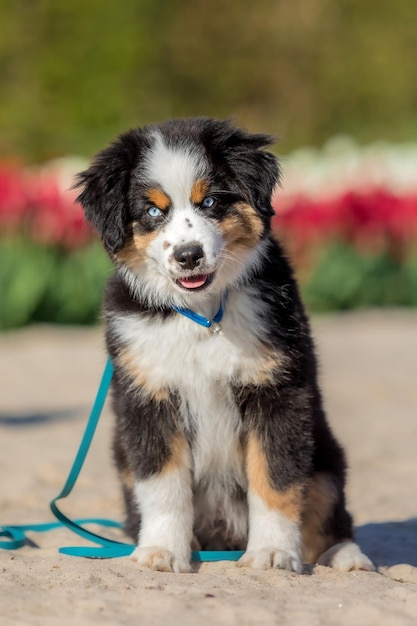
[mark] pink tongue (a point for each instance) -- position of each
(193, 282)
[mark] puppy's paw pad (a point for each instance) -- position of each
(268, 558)
(346, 557)
(160, 560)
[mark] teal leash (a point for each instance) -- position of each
(108, 548)
(15, 535)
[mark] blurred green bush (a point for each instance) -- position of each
(46, 284)
(343, 279)
(348, 218)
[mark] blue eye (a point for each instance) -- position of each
(208, 202)
(153, 211)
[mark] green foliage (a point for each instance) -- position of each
(74, 291)
(25, 271)
(74, 74)
(410, 272)
(43, 284)
(345, 279)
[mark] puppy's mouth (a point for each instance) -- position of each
(195, 283)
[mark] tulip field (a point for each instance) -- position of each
(347, 216)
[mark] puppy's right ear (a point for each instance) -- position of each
(105, 190)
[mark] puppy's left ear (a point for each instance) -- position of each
(105, 190)
(263, 175)
(258, 170)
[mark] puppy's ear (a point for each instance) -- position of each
(105, 190)
(261, 174)
(258, 170)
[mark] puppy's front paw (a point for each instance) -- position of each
(267, 558)
(345, 557)
(160, 560)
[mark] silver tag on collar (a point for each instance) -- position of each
(215, 328)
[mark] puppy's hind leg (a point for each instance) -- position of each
(346, 556)
(327, 533)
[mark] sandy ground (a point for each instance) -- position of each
(48, 380)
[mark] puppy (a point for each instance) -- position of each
(221, 441)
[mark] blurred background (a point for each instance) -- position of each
(333, 80)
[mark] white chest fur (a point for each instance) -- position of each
(180, 355)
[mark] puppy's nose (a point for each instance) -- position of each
(189, 256)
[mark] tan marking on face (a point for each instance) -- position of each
(243, 230)
(158, 198)
(322, 495)
(199, 191)
(178, 455)
(138, 378)
(288, 502)
(135, 249)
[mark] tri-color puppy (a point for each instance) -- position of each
(221, 441)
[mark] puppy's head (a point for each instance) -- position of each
(182, 207)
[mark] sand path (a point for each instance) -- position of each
(48, 379)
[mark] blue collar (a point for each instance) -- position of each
(213, 325)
